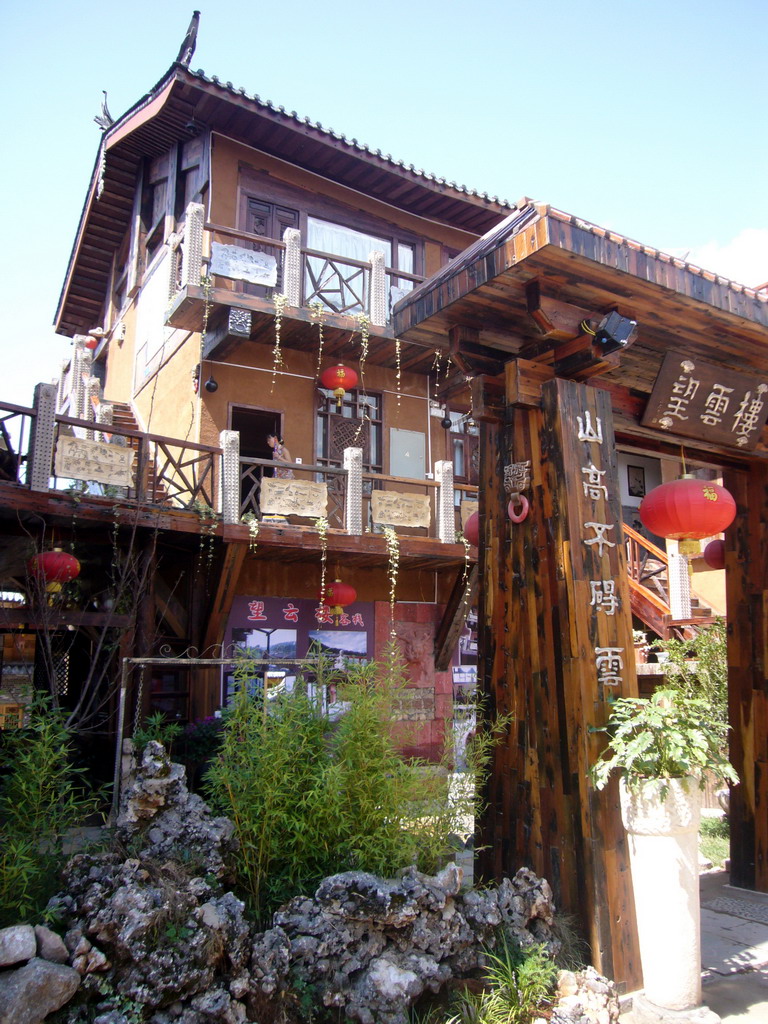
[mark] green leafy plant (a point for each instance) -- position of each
(714, 839)
(311, 797)
(156, 727)
(698, 667)
(669, 735)
(519, 980)
(42, 799)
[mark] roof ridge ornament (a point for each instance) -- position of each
(187, 47)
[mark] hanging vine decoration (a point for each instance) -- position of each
(364, 322)
(321, 525)
(437, 366)
(253, 523)
(207, 282)
(317, 313)
(393, 553)
(465, 574)
(209, 521)
(281, 302)
(397, 373)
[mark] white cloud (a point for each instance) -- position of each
(743, 259)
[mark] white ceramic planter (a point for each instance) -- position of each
(663, 845)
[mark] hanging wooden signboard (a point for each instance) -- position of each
(698, 399)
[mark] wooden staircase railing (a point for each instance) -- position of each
(647, 569)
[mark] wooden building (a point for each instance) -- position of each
(228, 253)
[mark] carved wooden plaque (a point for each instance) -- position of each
(706, 401)
(243, 264)
(395, 508)
(466, 510)
(78, 459)
(293, 497)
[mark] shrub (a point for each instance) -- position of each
(157, 728)
(311, 798)
(519, 980)
(699, 667)
(42, 798)
(669, 735)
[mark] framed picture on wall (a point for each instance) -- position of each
(636, 481)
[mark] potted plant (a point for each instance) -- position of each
(640, 641)
(661, 748)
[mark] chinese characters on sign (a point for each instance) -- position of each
(703, 400)
(290, 613)
(600, 537)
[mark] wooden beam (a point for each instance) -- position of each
(234, 557)
(488, 399)
(463, 597)
(524, 379)
(53, 618)
(557, 321)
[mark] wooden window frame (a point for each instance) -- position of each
(262, 187)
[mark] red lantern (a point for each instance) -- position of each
(92, 342)
(53, 568)
(472, 529)
(337, 596)
(714, 554)
(687, 509)
(338, 379)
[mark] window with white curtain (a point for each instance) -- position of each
(337, 279)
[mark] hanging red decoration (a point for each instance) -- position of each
(687, 509)
(53, 568)
(714, 554)
(92, 343)
(517, 509)
(472, 529)
(338, 379)
(337, 596)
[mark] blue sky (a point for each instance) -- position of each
(647, 118)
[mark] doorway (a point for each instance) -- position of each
(253, 425)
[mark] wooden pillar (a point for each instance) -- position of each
(555, 642)
(746, 575)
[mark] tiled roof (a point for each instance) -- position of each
(353, 143)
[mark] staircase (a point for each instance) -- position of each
(647, 568)
(122, 416)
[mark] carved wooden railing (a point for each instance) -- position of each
(648, 572)
(647, 569)
(343, 285)
(168, 471)
(252, 471)
(16, 422)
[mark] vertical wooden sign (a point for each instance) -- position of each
(596, 654)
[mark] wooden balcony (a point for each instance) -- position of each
(181, 486)
(220, 297)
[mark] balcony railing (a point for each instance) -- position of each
(264, 266)
(79, 456)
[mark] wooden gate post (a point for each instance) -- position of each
(746, 581)
(555, 643)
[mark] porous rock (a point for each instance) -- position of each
(371, 946)
(172, 822)
(17, 944)
(585, 997)
(29, 993)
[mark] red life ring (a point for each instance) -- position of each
(518, 517)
